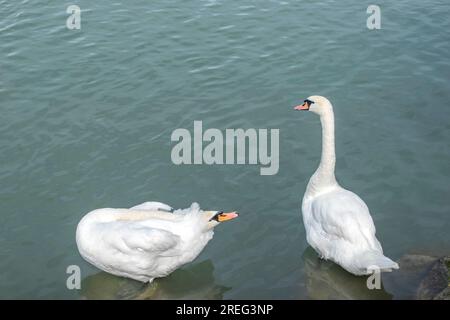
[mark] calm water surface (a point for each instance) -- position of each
(86, 119)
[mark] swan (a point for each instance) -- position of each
(147, 241)
(337, 222)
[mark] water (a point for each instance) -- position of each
(86, 119)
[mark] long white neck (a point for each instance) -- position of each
(324, 177)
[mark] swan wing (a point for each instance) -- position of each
(342, 215)
(153, 206)
(131, 237)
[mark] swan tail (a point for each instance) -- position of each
(371, 261)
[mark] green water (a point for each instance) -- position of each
(86, 118)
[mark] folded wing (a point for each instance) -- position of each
(343, 215)
(129, 237)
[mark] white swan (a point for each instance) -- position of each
(337, 222)
(147, 241)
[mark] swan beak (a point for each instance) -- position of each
(304, 106)
(227, 216)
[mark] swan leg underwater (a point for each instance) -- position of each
(337, 222)
(147, 241)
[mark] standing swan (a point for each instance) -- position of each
(337, 222)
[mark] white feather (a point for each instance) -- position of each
(153, 205)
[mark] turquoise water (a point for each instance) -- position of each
(87, 115)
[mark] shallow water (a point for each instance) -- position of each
(87, 115)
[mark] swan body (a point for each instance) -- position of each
(337, 222)
(147, 241)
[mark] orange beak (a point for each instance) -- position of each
(227, 216)
(303, 106)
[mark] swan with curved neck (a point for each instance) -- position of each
(337, 222)
(147, 241)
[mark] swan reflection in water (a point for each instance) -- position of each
(193, 282)
(327, 280)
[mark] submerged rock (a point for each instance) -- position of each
(421, 277)
(436, 284)
(403, 283)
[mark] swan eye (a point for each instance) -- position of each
(216, 216)
(309, 102)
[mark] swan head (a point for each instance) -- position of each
(214, 218)
(316, 104)
(207, 220)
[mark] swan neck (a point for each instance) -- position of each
(324, 176)
(328, 158)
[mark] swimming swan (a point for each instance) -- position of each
(337, 222)
(147, 241)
